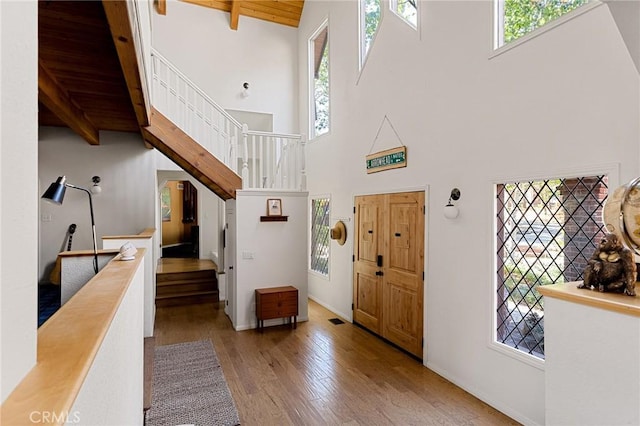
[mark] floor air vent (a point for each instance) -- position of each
(336, 321)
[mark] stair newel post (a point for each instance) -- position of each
(245, 157)
(303, 163)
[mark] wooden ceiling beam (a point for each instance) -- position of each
(213, 4)
(161, 6)
(235, 14)
(284, 12)
(62, 104)
(122, 35)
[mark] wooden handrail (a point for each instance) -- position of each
(67, 346)
(146, 233)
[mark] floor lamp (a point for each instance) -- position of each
(55, 195)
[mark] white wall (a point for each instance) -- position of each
(18, 190)
(126, 204)
(112, 392)
(150, 262)
(579, 338)
(562, 103)
(199, 42)
(278, 252)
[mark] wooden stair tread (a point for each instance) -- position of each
(186, 281)
(186, 294)
(149, 352)
(179, 265)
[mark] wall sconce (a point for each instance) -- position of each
(245, 90)
(95, 189)
(55, 195)
(451, 211)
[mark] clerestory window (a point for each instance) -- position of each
(369, 23)
(516, 18)
(546, 232)
(407, 10)
(319, 76)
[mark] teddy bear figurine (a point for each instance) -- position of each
(611, 268)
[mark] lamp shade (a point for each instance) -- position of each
(55, 192)
(451, 211)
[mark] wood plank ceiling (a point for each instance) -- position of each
(88, 77)
(285, 12)
(80, 80)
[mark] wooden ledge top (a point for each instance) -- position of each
(269, 290)
(616, 302)
(80, 253)
(68, 343)
(146, 233)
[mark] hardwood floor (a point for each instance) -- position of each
(322, 374)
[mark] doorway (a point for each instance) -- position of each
(388, 272)
(179, 211)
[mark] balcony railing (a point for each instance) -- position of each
(263, 159)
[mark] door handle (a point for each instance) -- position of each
(370, 231)
(379, 261)
(397, 234)
(379, 273)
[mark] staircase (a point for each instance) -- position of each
(185, 281)
(178, 146)
(196, 133)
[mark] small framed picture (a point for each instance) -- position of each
(274, 207)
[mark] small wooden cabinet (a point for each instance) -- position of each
(277, 302)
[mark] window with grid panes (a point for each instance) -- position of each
(546, 232)
(320, 231)
(516, 18)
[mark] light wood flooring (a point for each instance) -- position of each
(322, 374)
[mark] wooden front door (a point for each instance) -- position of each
(388, 267)
(367, 281)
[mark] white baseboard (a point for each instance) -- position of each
(332, 309)
(503, 408)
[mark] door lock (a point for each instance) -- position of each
(379, 273)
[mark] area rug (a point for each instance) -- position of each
(189, 387)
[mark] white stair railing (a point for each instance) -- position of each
(274, 160)
(263, 159)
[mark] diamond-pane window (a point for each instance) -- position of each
(320, 209)
(546, 232)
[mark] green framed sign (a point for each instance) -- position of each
(385, 160)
